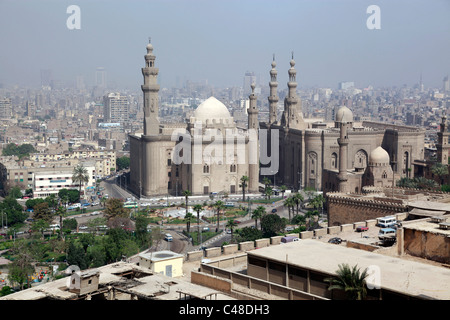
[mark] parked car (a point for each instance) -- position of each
(95, 203)
(335, 240)
(361, 229)
(274, 210)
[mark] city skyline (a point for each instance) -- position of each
(219, 41)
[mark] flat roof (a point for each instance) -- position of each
(160, 255)
(427, 226)
(397, 275)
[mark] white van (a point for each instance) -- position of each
(387, 233)
(168, 237)
(386, 222)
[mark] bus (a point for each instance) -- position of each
(168, 237)
(130, 204)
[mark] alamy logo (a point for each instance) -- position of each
(212, 146)
(74, 20)
(374, 20)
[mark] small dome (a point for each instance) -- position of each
(149, 47)
(211, 109)
(379, 156)
(344, 114)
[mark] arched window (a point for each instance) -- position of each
(384, 175)
(205, 168)
(233, 168)
(334, 160)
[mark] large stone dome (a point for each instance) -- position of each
(379, 156)
(212, 110)
(344, 114)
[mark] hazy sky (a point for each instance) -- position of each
(219, 40)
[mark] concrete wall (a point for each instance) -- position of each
(306, 234)
(230, 249)
(261, 243)
(211, 281)
(334, 230)
(346, 227)
(428, 245)
(248, 245)
(275, 240)
(213, 252)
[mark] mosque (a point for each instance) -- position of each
(209, 153)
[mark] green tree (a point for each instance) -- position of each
(40, 225)
(289, 203)
(15, 192)
(243, 185)
(198, 208)
(12, 212)
(21, 151)
(219, 205)
(272, 224)
(268, 192)
(350, 280)
(43, 212)
(76, 256)
(283, 189)
(142, 233)
(114, 208)
(188, 217)
(231, 224)
(5, 291)
(266, 182)
(122, 163)
(248, 234)
(80, 175)
(258, 214)
(298, 200)
(30, 203)
(186, 194)
(440, 170)
(20, 269)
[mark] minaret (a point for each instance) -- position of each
(443, 145)
(292, 116)
(150, 88)
(343, 123)
(253, 126)
(273, 98)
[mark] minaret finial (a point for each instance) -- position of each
(149, 39)
(292, 55)
(274, 57)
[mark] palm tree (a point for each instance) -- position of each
(80, 175)
(283, 189)
(219, 206)
(350, 280)
(268, 192)
(298, 199)
(61, 212)
(289, 203)
(258, 214)
(186, 194)
(266, 182)
(188, 218)
(439, 170)
(230, 225)
(317, 202)
(243, 185)
(197, 208)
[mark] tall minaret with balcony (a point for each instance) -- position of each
(273, 98)
(150, 88)
(443, 146)
(292, 114)
(253, 126)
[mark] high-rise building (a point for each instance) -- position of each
(100, 77)
(446, 86)
(116, 108)
(46, 77)
(346, 85)
(5, 108)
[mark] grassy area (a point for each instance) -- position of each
(266, 201)
(205, 236)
